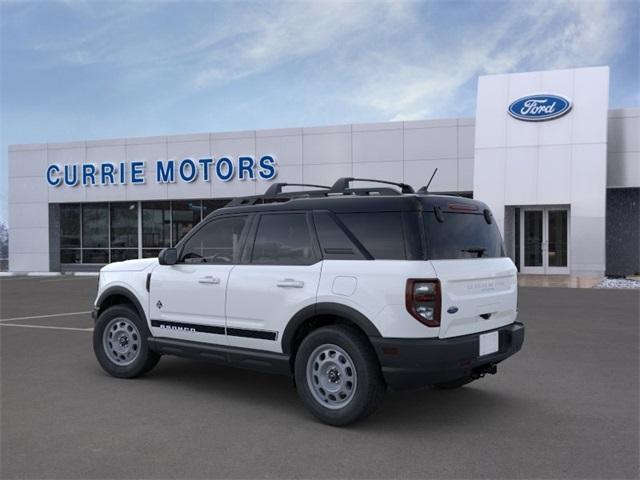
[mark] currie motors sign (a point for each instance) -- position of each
(540, 107)
(187, 170)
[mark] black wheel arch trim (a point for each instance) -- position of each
(325, 308)
(125, 292)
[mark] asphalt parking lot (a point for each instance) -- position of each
(565, 407)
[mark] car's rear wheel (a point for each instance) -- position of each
(337, 375)
(120, 342)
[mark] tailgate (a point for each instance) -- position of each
(484, 291)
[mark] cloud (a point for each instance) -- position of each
(400, 60)
(524, 37)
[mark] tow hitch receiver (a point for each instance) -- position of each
(479, 372)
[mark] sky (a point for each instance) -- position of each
(78, 70)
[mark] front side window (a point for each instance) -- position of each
(283, 239)
(217, 242)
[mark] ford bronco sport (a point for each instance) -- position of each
(347, 290)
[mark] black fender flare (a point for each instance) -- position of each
(325, 308)
(122, 291)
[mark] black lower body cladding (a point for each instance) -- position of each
(412, 363)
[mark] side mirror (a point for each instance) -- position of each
(168, 256)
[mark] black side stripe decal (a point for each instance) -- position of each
(233, 332)
(261, 334)
(187, 327)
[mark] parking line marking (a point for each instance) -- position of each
(43, 316)
(90, 329)
(65, 279)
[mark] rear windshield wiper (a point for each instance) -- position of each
(480, 251)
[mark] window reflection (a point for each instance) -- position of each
(100, 233)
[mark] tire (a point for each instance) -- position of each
(120, 342)
(340, 359)
(453, 384)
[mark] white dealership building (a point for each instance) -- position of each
(558, 168)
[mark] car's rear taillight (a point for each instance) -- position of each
(423, 301)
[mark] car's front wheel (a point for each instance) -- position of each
(120, 342)
(337, 375)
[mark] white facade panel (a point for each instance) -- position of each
(491, 122)
(29, 240)
(624, 134)
(287, 149)
(588, 180)
(326, 174)
(623, 169)
(326, 148)
(377, 145)
(28, 262)
(521, 176)
(466, 144)
(591, 105)
(392, 171)
(431, 143)
(28, 215)
(27, 163)
(27, 190)
(465, 174)
(554, 174)
(418, 172)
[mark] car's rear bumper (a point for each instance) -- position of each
(412, 363)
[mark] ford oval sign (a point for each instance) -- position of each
(536, 108)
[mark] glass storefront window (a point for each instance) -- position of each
(94, 255)
(124, 225)
(211, 205)
(70, 226)
(108, 232)
(156, 225)
(184, 216)
(95, 225)
(70, 255)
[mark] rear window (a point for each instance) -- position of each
(461, 235)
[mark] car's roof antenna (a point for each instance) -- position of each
(425, 189)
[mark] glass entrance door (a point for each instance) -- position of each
(544, 240)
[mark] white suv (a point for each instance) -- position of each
(347, 290)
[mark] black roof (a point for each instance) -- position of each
(341, 198)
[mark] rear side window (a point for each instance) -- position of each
(283, 239)
(379, 232)
(461, 235)
(334, 241)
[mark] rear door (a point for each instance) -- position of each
(187, 300)
(278, 277)
(479, 283)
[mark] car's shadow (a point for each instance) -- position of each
(410, 410)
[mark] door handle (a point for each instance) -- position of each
(290, 283)
(209, 280)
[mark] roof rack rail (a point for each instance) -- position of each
(341, 187)
(342, 184)
(275, 194)
(276, 188)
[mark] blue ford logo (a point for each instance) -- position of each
(536, 108)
